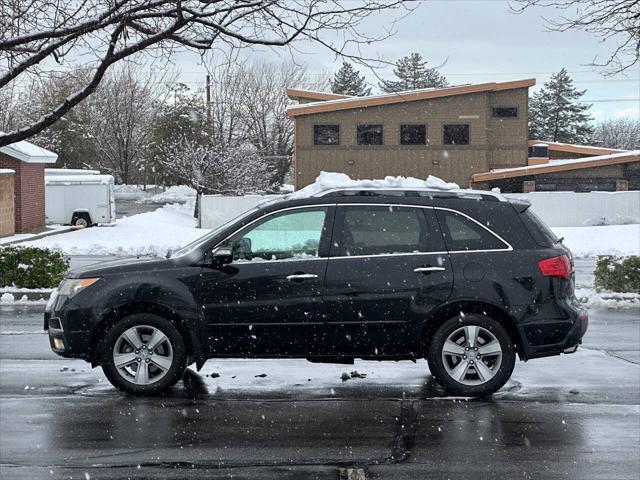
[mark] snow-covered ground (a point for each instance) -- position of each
(591, 241)
(174, 194)
(151, 233)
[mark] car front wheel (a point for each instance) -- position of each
(143, 354)
(471, 355)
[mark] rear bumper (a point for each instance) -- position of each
(569, 333)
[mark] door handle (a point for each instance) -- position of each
(301, 276)
(429, 269)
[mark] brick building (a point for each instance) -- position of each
(27, 162)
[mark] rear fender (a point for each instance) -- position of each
(463, 306)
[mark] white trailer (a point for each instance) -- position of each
(80, 200)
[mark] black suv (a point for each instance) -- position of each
(466, 279)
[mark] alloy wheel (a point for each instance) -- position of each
(472, 355)
(142, 354)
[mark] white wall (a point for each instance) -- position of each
(557, 209)
(216, 210)
(571, 209)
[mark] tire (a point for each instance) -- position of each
(163, 366)
(453, 357)
(81, 219)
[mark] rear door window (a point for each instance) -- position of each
(461, 233)
(381, 230)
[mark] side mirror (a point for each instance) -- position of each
(222, 256)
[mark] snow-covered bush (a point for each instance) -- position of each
(618, 274)
(29, 267)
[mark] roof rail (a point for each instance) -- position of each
(412, 192)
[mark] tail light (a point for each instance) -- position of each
(556, 267)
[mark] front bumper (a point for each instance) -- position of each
(69, 329)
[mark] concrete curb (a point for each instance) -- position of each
(41, 235)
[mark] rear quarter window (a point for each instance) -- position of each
(461, 233)
(540, 231)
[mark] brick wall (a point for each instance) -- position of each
(29, 193)
(7, 207)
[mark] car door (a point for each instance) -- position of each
(267, 301)
(387, 270)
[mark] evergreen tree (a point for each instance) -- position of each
(347, 81)
(555, 114)
(412, 73)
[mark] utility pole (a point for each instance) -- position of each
(208, 100)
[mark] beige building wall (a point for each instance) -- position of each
(7, 212)
(493, 143)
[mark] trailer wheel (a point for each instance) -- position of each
(81, 219)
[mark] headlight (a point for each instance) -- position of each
(72, 286)
(52, 300)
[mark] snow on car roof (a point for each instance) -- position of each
(333, 181)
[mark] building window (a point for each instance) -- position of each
(413, 134)
(326, 134)
(369, 134)
(456, 134)
(505, 112)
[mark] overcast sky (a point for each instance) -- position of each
(477, 41)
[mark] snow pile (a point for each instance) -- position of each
(152, 233)
(10, 299)
(330, 180)
(592, 298)
(128, 192)
(175, 194)
(618, 240)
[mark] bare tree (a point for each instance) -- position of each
(36, 33)
(616, 21)
(217, 169)
(622, 133)
(264, 101)
(224, 113)
(68, 137)
(121, 116)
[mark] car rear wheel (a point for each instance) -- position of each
(471, 355)
(143, 354)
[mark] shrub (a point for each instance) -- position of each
(618, 274)
(29, 267)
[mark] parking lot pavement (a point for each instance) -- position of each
(572, 416)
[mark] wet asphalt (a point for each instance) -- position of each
(571, 417)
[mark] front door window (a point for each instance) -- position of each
(291, 235)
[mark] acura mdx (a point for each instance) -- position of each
(466, 279)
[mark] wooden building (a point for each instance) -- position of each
(450, 132)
